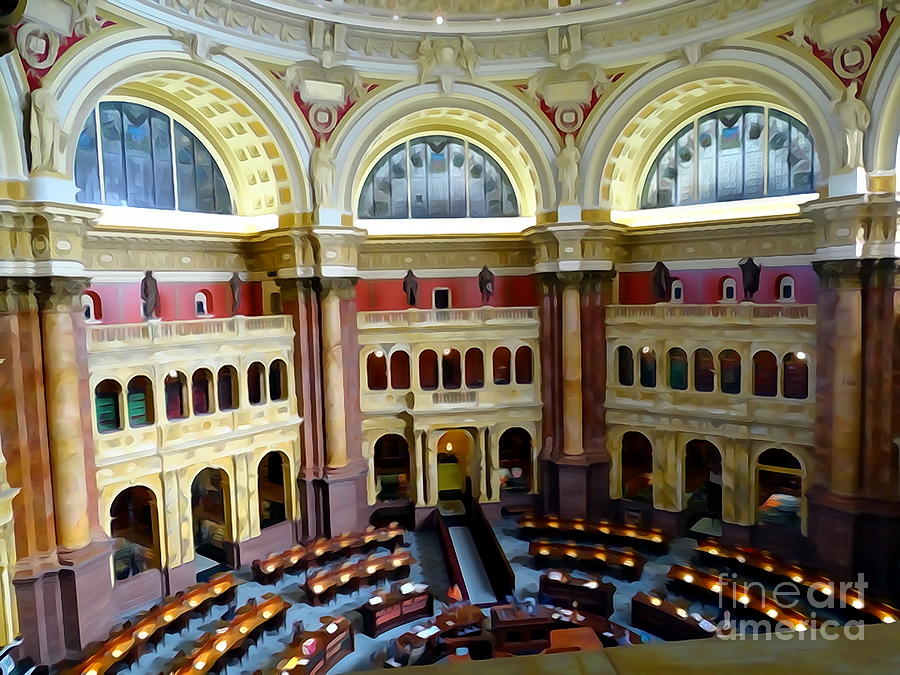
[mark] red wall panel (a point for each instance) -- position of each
(387, 294)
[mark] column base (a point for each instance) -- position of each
(273, 539)
(39, 605)
(310, 498)
(345, 500)
(85, 579)
(578, 486)
(178, 578)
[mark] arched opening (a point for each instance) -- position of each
(451, 369)
(786, 289)
(779, 489)
(625, 365)
(704, 370)
(637, 467)
(203, 303)
(107, 406)
(730, 370)
(795, 375)
(765, 374)
(501, 365)
(391, 462)
(211, 510)
(677, 291)
(678, 369)
(647, 367)
(278, 381)
(175, 390)
(524, 365)
(256, 383)
(140, 402)
(376, 371)
(228, 388)
(428, 370)
(702, 481)
(474, 368)
(274, 474)
(454, 452)
(201, 392)
(516, 470)
(92, 306)
(729, 290)
(134, 527)
(400, 370)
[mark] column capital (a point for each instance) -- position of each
(342, 287)
(839, 274)
(17, 294)
(61, 294)
(569, 279)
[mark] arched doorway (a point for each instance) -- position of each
(391, 462)
(134, 526)
(515, 461)
(702, 481)
(779, 489)
(274, 470)
(210, 511)
(454, 453)
(637, 467)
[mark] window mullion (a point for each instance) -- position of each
(100, 172)
(174, 162)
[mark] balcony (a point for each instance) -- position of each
(439, 318)
(741, 314)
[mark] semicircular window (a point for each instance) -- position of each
(742, 152)
(437, 177)
(125, 157)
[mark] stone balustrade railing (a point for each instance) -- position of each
(136, 335)
(416, 318)
(745, 313)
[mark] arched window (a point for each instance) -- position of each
(211, 515)
(228, 388)
(702, 480)
(273, 469)
(399, 370)
(256, 386)
(440, 298)
(795, 376)
(107, 405)
(391, 462)
(625, 363)
(729, 290)
(136, 146)
(501, 365)
(786, 289)
(134, 525)
(474, 368)
(730, 372)
(637, 467)
(437, 177)
(140, 402)
(647, 367)
(515, 460)
(202, 303)
(201, 392)
(779, 487)
(428, 370)
(765, 374)
(175, 387)
(451, 369)
(93, 308)
(376, 371)
(734, 153)
(523, 365)
(677, 291)
(278, 382)
(704, 370)
(678, 369)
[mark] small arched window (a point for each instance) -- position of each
(256, 387)
(428, 370)
(765, 374)
(107, 405)
(734, 153)
(524, 368)
(729, 290)
(399, 370)
(451, 369)
(202, 303)
(140, 402)
(786, 289)
(678, 369)
(625, 365)
(704, 370)
(474, 368)
(437, 177)
(648, 367)
(730, 369)
(501, 365)
(376, 371)
(201, 392)
(278, 381)
(677, 291)
(795, 375)
(136, 146)
(93, 308)
(175, 387)
(228, 388)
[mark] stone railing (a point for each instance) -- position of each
(153, 333)
(415, 318)
(745, 313)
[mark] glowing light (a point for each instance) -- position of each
(628, 562)
(439, 19)
(92, 671)
(267, 613)
(544, 551)
(826, 589)
(142, 634)
(656, 602)
(656, 538)
(645, 350)
(604, 530)
(689, 578)
(449, 446)
(572, 553)
(371, 569)
(579, 526)
(714, 551)
(888, 618)
(221, 646)
(769, 568)
(600, 556)
(741, 559)
(268, 569)
(318, 588)
(200, 665)
(244, 629)
(447, 351)
(801, 356)
(773, 613)
(744, 599)
(591, 584)
(396, 17)
(797, 579)
(167, 617)
(681, 612)
(857, 604)
(715, 588)
(379, 354)
(800, 627)
(117, 652)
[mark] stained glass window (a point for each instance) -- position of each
(125, 157)
(437, 177)
(734, 153)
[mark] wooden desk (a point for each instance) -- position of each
(323, 586)
(454, 628)
(580, 529)
(387, 610)
(668, 621)
(316, 652)
(590, 594)
(627, 564)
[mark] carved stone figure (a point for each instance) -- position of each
(235, 285)
(854, 118)
(750, 273)
(84, 17)
(149, 296)
(46, 137)
(323, 172)
(801, 30)
(662, 281)
(567, 166)
(425, 58)
(411, 288)
(486, 284)
(468, 56)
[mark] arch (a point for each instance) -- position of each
(678, 369)
(785, 289)
(795, 375)
(141, 411)
(451, 369)
(455, 448)
(400, 370)
(273, 476)
(175, 392)
(211, 514)
(428, 370)
(251, 126)
(647, 367)
(134, 527)
(278, 381)
(92, 306)
(625, 365)
(704, 370)
(728, 290)
(392, 468)
(474, 367)
(516, 463)
(13, 93)
(779, 489)
(765, 374)
(227, 388)
(637, 467)
(202, 402)
(524, 365)
(883, 90)
(730, 372)
(501, 365)
(501, 123)
(376, 371)
(256, 383)
(203, 303)
(677, 293)
(702, 480)
(108, 406)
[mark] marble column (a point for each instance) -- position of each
(573, 438)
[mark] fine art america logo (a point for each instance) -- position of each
(785, 621)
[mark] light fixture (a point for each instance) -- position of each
(888, 618)
(447, 351)
(772, 613)
(689, 578)
(744, 600)
(800, 627)
(715, 588)
(801, 356)
(173, 374)
(645, 350)
(439, 19)
(449, 446)
(681, 612)
(656, 602)
(379, 354)
(858, 604)
(797, 579)
(396, 17)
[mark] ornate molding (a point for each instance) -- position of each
(60, 294)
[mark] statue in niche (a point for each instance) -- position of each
(750, 274)
(235, 284)
(323, 172)
(854, 118)
(46, 137)
(567, 166)
(411, 288)
(149, 297)
(486, 284)
(662, 282)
